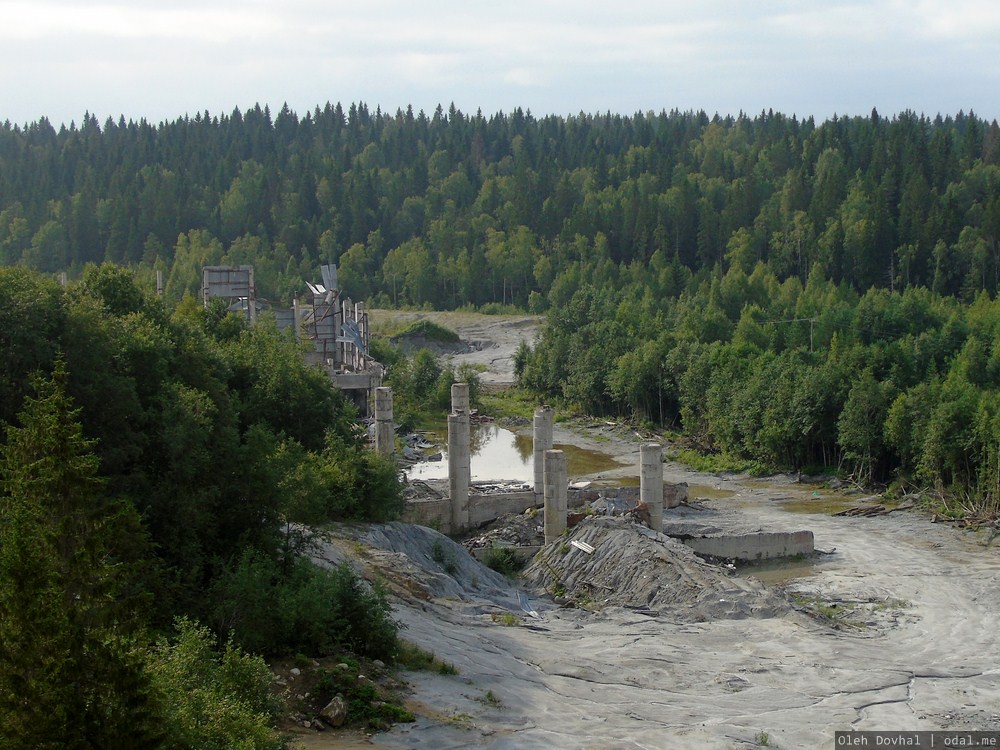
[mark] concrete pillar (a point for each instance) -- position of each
(555, 494)
(385, 435)
(460, 398)
(459, 470)
(251, 296)
(651, 482)
(542, 442)
(159, 283)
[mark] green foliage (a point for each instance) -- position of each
(279, 609)
(421, 387)
(444, 211)
(366, 704)
(444, 557)
(32, 317)
(275, 386)
(504, 560)
(413, 657)
(212, 700)
(428, 330)
(68, 605)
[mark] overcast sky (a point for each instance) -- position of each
(160, 59)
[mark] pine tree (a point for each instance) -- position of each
(70, 677)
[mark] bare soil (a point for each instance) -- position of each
(893, 629)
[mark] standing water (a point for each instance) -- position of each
(498, 453)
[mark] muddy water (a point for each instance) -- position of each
(499, 453)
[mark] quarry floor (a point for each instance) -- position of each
(894, 628)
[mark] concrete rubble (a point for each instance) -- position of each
(641, 569)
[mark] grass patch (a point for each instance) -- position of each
(507, 619)
(417, 659)
(832, 613)
(513, 403)
(491, 699)
(719, 463)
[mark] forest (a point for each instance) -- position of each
(794, 293)
(449, 209)
(155, 465)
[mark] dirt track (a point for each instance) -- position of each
(914, 647)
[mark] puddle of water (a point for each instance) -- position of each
(498, 453)
(779, 573)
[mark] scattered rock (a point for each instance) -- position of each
(335, 712)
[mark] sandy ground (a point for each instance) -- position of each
(911, 646)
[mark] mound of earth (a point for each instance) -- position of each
(641, 569)
(417, 564)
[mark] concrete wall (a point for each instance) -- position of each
(483, 508)
(753, 546)
(486, 508)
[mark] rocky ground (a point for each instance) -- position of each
(642, 645)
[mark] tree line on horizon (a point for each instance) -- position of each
(450, 209)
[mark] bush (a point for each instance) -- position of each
(305, 609)
(346, 482)
(504, 560)
(212, 700)
(430, 331)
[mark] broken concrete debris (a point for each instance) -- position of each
(632, 566)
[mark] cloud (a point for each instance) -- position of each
(160, 58)
(34, 21)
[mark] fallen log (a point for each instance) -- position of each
(872, 510)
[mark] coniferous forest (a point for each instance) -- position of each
(796, 293)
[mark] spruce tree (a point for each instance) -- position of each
(70, 676)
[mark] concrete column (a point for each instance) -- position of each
(555, 494)
(651, 482)
(459, 470)
(251, 296)
(460, 398)
(159, 283)
(385, 435)
(542, 442)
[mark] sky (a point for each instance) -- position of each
(163, 59)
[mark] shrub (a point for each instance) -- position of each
(431, 331)
(212, 700)
(504, 560)
(305, 609)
